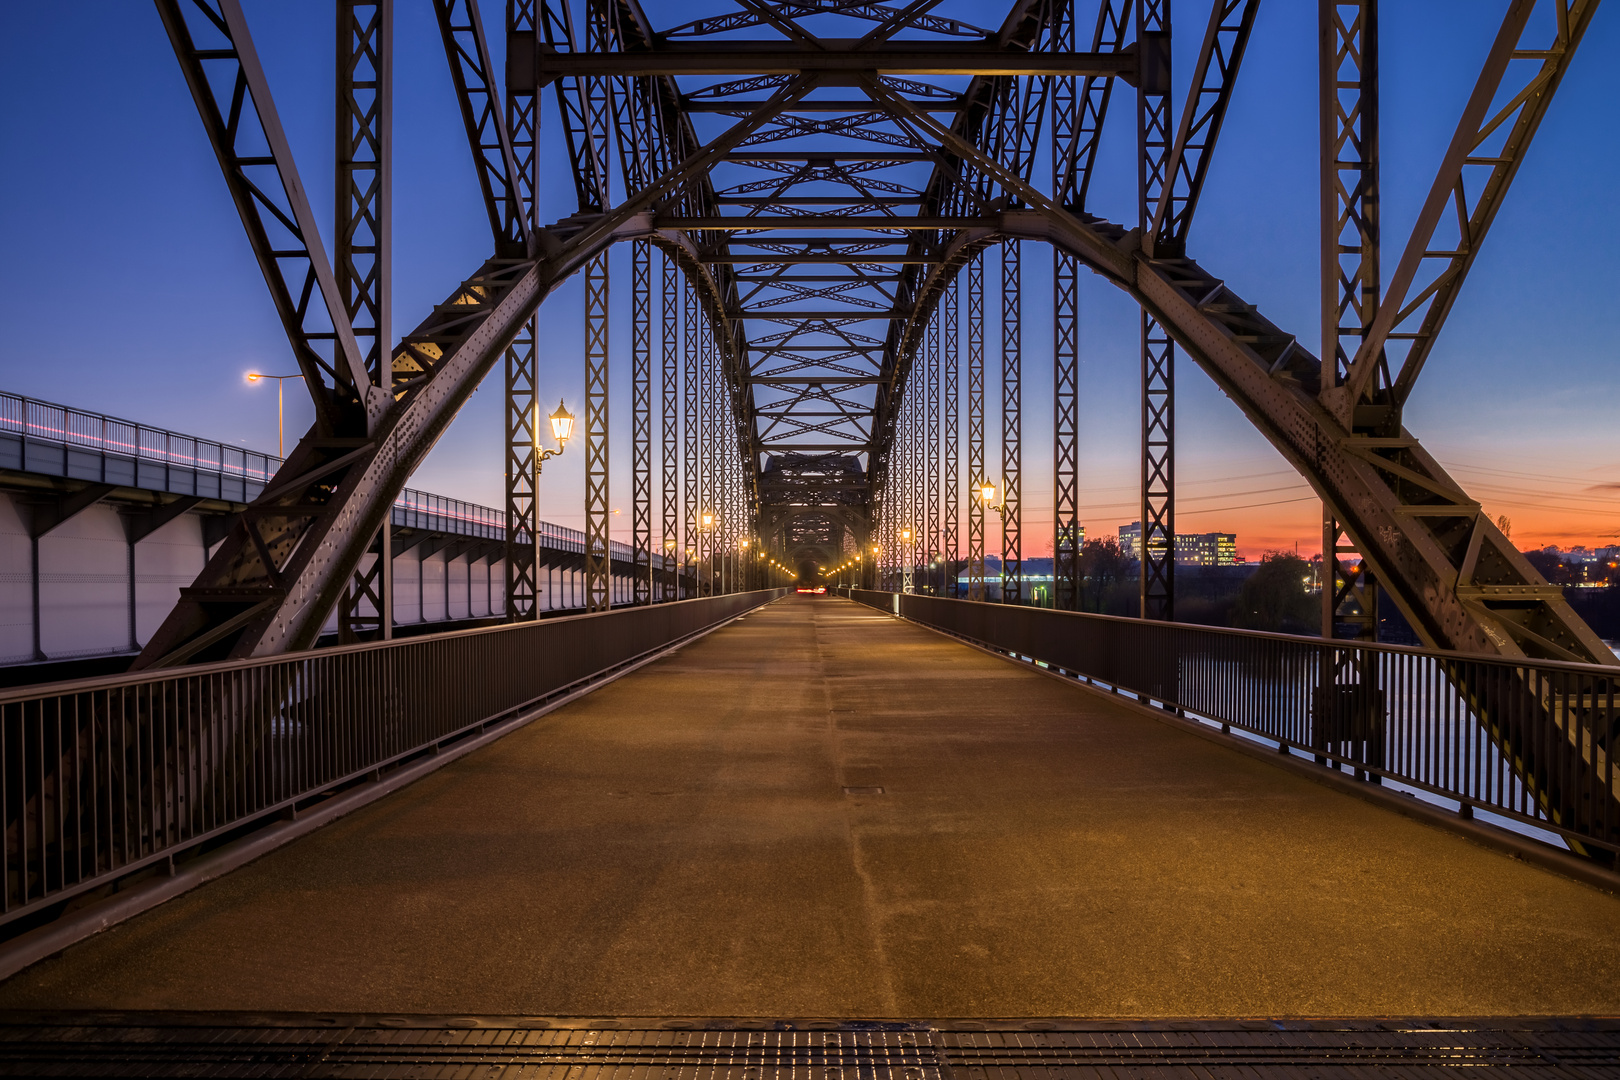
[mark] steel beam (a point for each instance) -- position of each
(1348, 96)
(1348, 88)
(274, 209)
(462, 31)
(931, 433)
(361, 254)
(976, 473)
(670, 425)
(598, 507)
(1012, 424)
(1214, 77)
(952, 447)
(692, 502)
(1065, 431)
(522, 401)
(773, 57)
(641, 465)
(1155, 120)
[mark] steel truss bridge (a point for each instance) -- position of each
(813, 191)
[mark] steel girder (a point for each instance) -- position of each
(1155, 180)
(522, 399)
(1473, 179)
(272, 582)
(670, 422)
(1350, 272)
(756, 249)
(216, 53)
(1012, 425)
(975, 426)
(641, 465)
(361, 262)
(952, 401)
(1065, 431)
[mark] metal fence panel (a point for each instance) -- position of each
(1530, 740)
(102, 777)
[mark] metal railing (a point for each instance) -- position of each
(1532, 741)
(104, 777)
(125, 439)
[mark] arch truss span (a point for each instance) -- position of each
(822, 172)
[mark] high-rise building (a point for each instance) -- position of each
(1130, 538)
(1192, 549)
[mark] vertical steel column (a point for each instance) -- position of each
(1155, 132)
(707, 485)
(641, 420)
(598, 516)
(1012, 424)
(976, 476)
(1066, 113)
(908, 474)
(931, 405)
(361, 256)
(690, 512)
(671, 426)
(1065, 431)
(953, 467)
(522, 477)
(1351, 280)
(522, 393)
(1349, 180)
(598, 550)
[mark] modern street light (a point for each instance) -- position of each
(281, 406)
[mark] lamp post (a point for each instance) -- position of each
(742, 565)
(562, 429)
(987, 493)
(281, 406)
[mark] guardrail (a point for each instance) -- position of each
(114, 451)
(102, 778)
(1532, 741)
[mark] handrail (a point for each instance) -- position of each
(126, 438)
(1530, 740)
(101, 778)
(67, 426)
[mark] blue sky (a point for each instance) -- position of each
(127, 285)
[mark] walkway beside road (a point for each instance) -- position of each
(824, 811)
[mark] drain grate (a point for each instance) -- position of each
(192, 1044)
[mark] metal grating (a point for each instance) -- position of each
(170, 1044)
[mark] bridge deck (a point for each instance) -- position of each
(693, 840)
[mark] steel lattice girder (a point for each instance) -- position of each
(1455, 577)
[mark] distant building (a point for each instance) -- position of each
(1130, 538)
(1080, 540)
(1192, 549)
(1207, 549)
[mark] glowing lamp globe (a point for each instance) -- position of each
(562, 424)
